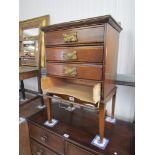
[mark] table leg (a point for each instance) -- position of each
(42, 99)
(40, 90)
(101, 121)
(113, 105)
(49, 109)
(22, 89)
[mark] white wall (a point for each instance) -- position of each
(68, 10)
(125, 103)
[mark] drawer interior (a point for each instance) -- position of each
(88, 92)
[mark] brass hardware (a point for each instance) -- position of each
(70, 37)
(70, 71)
(70, 107)
(43, 139)
(70, 55)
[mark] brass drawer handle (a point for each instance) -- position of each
(70, 71)
(70, 37)
(70, 55)
(44, 139)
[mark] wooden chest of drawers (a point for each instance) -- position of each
(81, 63)
(49, 140)
(81, 126)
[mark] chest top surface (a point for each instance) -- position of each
(85, 22)
(82, 126)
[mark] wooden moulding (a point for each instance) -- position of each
(89, 93)
(89, 21)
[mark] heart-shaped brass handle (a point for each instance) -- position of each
(70, 55)
(70, 71)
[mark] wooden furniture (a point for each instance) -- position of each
(24, 112)
(81, 63)
(24, 144)
(26, 73)
(81, 126)
(31, 50)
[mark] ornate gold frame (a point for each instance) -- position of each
(36, 23)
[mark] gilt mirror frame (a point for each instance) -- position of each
(31, 24)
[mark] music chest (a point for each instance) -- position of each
(81, 63)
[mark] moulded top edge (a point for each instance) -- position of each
(85, 22)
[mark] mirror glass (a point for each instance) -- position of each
(31, 32)
(30, 47)
(30, 43)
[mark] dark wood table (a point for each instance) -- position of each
(81, 125)
(26, 72)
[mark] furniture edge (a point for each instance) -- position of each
(89, 21)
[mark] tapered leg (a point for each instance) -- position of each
(22, 89)
(49, 109)
(113, 105)
(41, 98)
(101, 121)
(40, 90)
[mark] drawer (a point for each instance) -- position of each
(75, 54)
(92, 72)
(75, 150)
(37, 149)
(77, 35)
(50, 140)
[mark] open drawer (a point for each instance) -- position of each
(73, 90)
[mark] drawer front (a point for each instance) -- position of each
(75, 150)
(75, 54)
(50, 140)
(92, 72)
(37, 149)
(77, 35)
